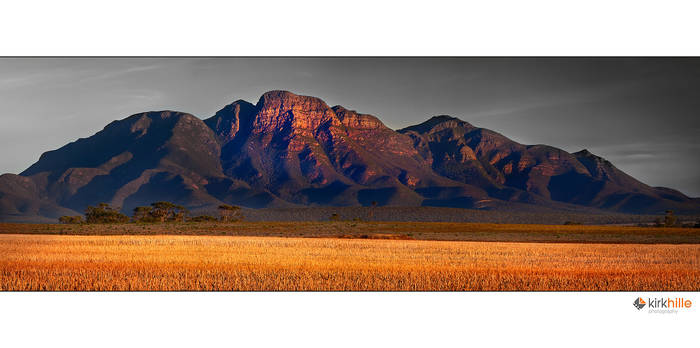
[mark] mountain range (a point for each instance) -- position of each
(289, 150)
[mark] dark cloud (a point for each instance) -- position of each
(641, 113)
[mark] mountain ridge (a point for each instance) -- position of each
(291, 150)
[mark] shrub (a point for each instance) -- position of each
(230, 213)
(166, 211)
(202, 218)
(71, 219)
(103, 213)
(143, 214)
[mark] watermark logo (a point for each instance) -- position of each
(663, 304)
(639, 303)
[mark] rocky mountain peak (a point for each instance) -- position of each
(285, 100)
(586, 156)
(228, 121)
(354, 120)
(601, 168)
(282, 111)
(439, 123)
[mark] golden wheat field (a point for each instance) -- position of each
(174, 262)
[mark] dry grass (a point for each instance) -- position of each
(45, 262)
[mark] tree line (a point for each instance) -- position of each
(158, 212)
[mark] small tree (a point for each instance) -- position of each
(162, 210)
(143, 214)
(180, 213)
(103, 213)
(371, 210)
(229, 213)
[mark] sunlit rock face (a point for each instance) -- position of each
(289, 143)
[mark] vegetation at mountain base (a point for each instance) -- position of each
(103, 213)
(160, 212)
(144, 214)
(71, 219)
(202, 218)
(444, 231)
(230, 213)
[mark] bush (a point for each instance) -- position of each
(160, 212)
(166, 211)
(202, 218)
(230, 213)
(71, 219)
(143, 214)
(104, 214)
(335, 217)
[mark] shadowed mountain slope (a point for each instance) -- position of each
(144, 158)
(529, 173)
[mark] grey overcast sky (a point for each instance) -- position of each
(640, 113)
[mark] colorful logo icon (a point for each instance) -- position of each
(639, 303)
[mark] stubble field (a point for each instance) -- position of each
(378, 261)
